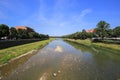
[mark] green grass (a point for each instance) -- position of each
(12, 52)
(109, 46)
(82, 42)
(88, 42)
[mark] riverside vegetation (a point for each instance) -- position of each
(12, 52)
(89, 43)
(101, 38)
(102, 33)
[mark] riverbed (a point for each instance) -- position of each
(61, 60)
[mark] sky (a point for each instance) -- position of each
(59, 17)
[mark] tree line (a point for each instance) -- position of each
(13, 33)
(101, 31)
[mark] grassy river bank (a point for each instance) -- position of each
(89, 43)
(10, 53)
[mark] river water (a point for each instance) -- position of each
(61, 60)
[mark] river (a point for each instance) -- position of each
(61, 60)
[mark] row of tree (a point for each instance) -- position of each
(13, 33)
(102, 31)
(79, 35)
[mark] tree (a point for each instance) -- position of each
(90, 35)
(101, 29)
(13, 33)
(47, 36)
(31, 35)
(116, 31)
(98, 32)
(30, 29)
(4, 30)
(77, 35)
(84, 34)
(22, 34)
(109, 33)
(34, 35)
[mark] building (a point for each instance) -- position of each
(25, 28)
(21, 27)
(90, 31)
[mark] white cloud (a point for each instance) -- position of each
(82, 15)
(55, 17)
(79, 19)
(85, 12)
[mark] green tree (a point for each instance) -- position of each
(116, 31)
(22, 34)
(29, 29)
(31, 35)
(13, 33)
(109, 33)
(90, 35)
(102, 28)
(98, 32)
(78, 35)
(4, 30)
(84, 34)
(35, 35)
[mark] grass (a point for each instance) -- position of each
(12, 52)
(103, 54)
(110, 46)
(88, 42)
(82, 42)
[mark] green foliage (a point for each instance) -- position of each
(12, 52)
(84, 34)
(89, 43)
(103, 25)
(30, 29)
(13, 33)
(80, 35)
(4, 30)
(109, 33)
(22, 34)
(116, 31)
(101, 30)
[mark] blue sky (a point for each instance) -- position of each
(59, 17)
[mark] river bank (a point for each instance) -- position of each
(11, 43)
(9, 54)
(63, 60)
(89, 43)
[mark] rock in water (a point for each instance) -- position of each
(54, 74)
(0, 78)
(59, 71)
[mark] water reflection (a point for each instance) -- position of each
(65, 61)
(105, 64)
(98, 53)
(58, 49)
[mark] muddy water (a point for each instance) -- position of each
(62, 60)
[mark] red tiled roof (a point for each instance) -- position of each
(21, 27)
(90, 31)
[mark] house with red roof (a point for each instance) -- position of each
(90, 30)
(21, 27)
